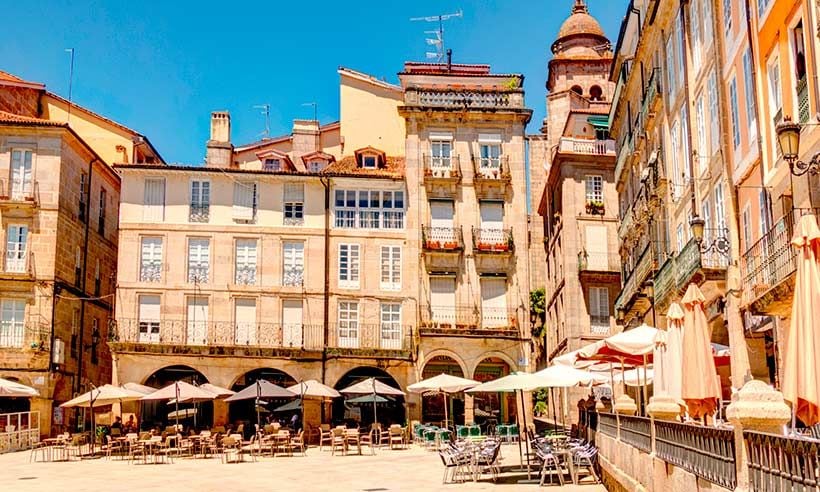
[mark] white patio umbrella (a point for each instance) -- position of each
(262, 388)
(313, 388)
(444, 384)
(180, 391)
(139, 388)
(13, 389)
(562, 376)
(219, 391)
(107, 394)
(372, 386)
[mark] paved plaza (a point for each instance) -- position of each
(406, 470)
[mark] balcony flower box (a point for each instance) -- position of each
(433, 245)
(453, 173)
(450, 245)
(485, 246)
(595, 207)
(428, 171)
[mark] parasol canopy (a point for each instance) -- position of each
(699, 387)
(106, 394)
(180, 391)
(562, 376)
(368, 399)
(314, 388)
(139, 388)
(443, 383)
(15, 389)
(219, 391)
(371, 385)
(261, 389)
(517, 381)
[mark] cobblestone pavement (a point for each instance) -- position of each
(389, 470)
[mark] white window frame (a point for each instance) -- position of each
(13, 326)
(390, 332)
(773, 81)
(349, 266)
(681, 239)
(198, 271)
(151, 261)
(748, 85)
(598, 299)
(152, 212)
(746, 226)
(272, 164)
(348, 323)
(199, 200)
(293, 263)
(733, 111)
(696, 34)
(714, 113)
(245, 207)
(351, 212)
(16, 248)
(441, 153)
(700, 117)
(293, 201)
(390, 261)
(594, 188)
(316, 166)
(246, 261)
(727, 17)
(27, 182)
(708, 28)
(670, 64)
(370, 161)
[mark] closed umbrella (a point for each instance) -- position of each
(699, 387)
(801, 371)
(14, 389)
(374, 387)
(444, 384)
(672, 360)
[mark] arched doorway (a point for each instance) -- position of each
(245, 411)
(155, 414)
(489, 408)
(432, 405)
(390, 412)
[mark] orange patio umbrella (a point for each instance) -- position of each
(699, 386)
(801, 372)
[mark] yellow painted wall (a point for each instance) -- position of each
(369, 116)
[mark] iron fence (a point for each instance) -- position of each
(779, 463)
(706, 452)
(492, 168)
(607, 424)
(637, 432)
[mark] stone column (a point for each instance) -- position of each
(757, 407)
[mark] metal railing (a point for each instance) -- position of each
(492, 240)
(586, 146)
(370, 336)
(19, 430)
(803, 111)
(151, 272)
(653, 89)
(16, 262)
(779, 463)
(637, 432)
(599, 325)
(467, 318)
(24, 334)
(492, 168)
(634, 283)
(25, 193)
(771, 260)
(706, 452)
(199, 213)
(608, 424)
(442, 238)
(436, 167)
(245, 275)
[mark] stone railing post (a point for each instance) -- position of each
(757, 407)
(661, 407)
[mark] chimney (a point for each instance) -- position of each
(219, 151)
(305, 137)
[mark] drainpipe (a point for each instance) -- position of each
(326, 294)
(686, 50)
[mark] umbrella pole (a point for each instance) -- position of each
(645, 389)
(302, 401)
(446, 419)
(256, 404)
(526, 435)
(375, 415)
(176, 403)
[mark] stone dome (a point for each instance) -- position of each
(580, 26)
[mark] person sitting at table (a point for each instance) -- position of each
(130, 426)
(116, 427)
(294, 420)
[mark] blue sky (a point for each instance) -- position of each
(161, 67)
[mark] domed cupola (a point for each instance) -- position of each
(580, 35)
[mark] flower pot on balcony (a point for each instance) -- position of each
(428, 172)
(485, 247)
(595, 208)
(450, 245)
(453, 173)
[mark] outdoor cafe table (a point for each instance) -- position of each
(52, 445)
(151, 448)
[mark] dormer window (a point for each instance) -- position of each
(370, 161)
(316, 166)
(272, 165)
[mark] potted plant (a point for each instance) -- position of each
(450, 245)
(595, 207)
(428, 171)
(453, 173)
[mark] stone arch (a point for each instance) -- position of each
(245, 410)
(577, 89)
(446, 353)
(433, 405)
(391, 412)
(494, 353)
(596, 93)
(493, 408)
(155, 414)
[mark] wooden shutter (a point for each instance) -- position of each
(154, 200)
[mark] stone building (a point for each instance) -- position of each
(59, 201)
(578, 202)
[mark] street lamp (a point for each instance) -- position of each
(788, 138)
(719, 244)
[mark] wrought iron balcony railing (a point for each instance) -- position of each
(199, 213)
(492, 168)
(18, 263)
(245, 275)
(198, 274)
(24, 334)
(371, 336)
(151, 272)
(598, 262)
(653, 90)
(293, 276)
(442, 238)
(466, 319)
(441, 167)
(492, 240)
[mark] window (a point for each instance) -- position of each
(75, 328)
(370, 161)
(12, 322)
(679, 44)
(294, 263)
(149, 317)
(747, 226)
(292, 330)
(197, 320)
(294, 201)
(200, 201)
(680, 237)
(706, 215)
(349, 266)
(390, 325)
(775, 96)
(245, 318)
(272, 165)
(599, 310)
(244, 201)
(686, 155)
(702, 157)
(748, 87)
(801, 85)
(97, 282)
(707, 22)
(720, 208)
(694, 17)
(735, 118)
(762, 5)
(369, 209)
(348, 324)
(154, 200)
(670, 63)
(16, 248)
(727, 17)
(441, 148)
(78, 267)
(316, 166)
(390, 268)
(714, 115)
(489, 154)
(246, 261)
(675, 161)
(199, 257)
(763, 204)
(83, 204)
(101, 217)
(21, 188)
(494, 302)
(151, 259)
(95, 328)
(594, 189)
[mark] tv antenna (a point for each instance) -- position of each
(70, 81)
(265, 111)
(315, 110)
(438, 41)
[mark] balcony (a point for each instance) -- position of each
(465, 99)
(199, 213)
(631, 298)
(21, 197)
(24, 335)
(17, 265)
(652, 97)
(491, 177)
(493, 249)
(442, 248)
(768, 267)
(690, 265)
(245, 275)
(600, 325)
(151, 272)
(370, 340)
(441, 175)
(468, 321)
(586, 146)
(292, 276)
(596, 267)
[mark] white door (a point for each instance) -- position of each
(197, 321)
(596, 247)
(494, 302)
(292, 323)
(149, 319)
(391, 325)
(492, 223)
(20, 174)
(348, 324)
(441, 221)
(599, 310)
(245, 317)
(16, 239)
(443, 299)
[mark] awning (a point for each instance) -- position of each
(599, 121)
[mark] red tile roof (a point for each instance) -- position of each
(349, 167)
(16, 119)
